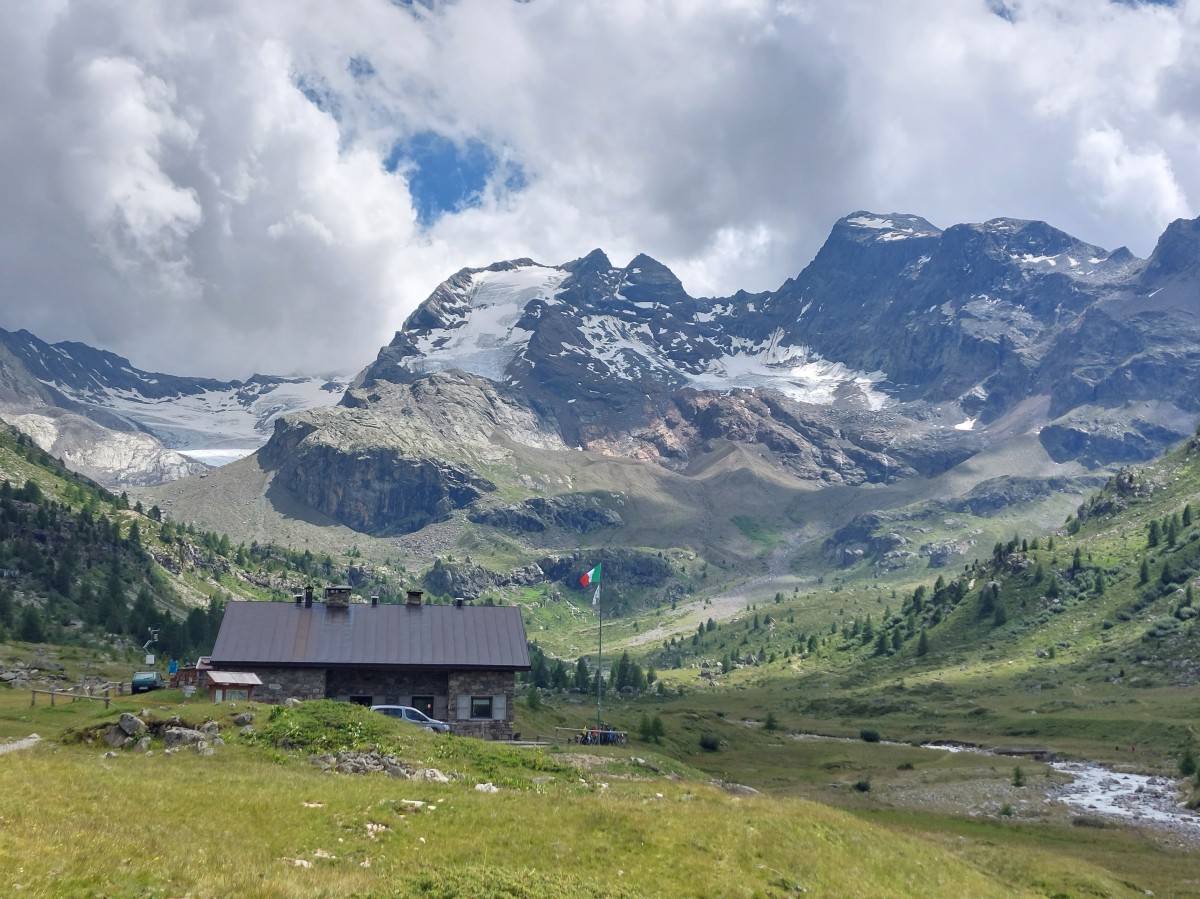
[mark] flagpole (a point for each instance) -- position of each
(600, 657)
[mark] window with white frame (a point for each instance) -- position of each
(482, 708)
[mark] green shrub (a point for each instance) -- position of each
(1187, 764)
(869, 735)
(864, 785)
(710, 742)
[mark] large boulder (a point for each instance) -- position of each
(175, 737)
(131, 724)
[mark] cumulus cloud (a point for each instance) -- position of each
(223, 188)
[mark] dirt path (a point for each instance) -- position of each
(724, 605)
(19, 744)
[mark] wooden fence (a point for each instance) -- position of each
(103, 693)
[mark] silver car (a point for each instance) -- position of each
(413, 716)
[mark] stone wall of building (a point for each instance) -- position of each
(482, 683)
(279, 684)
(390, 687)
(398, 688)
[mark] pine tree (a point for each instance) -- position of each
(583, 677)
(645, 728)
(923, 644)
(1155, 534)
(1144, 572)
(33, 628)
(1187, 764)
(657, 731)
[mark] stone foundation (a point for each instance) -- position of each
(397, 687)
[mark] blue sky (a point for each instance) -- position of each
(445, 176)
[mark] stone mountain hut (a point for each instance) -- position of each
(457, 663)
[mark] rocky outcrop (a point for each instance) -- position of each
(378, 491)
(1106, 442)
(626, 567)
(576, 513)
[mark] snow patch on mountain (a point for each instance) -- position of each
(219, 426)
(485, 337)
(116, 458)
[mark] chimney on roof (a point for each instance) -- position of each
(374, 600)
(458, 602)
(308, 597)
(299, 597)
(414, 598)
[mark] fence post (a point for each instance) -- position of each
(32, 698)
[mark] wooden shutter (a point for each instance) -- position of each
(464, 706)
(499, 712)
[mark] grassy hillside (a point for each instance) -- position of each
(1078, 640)
(82, 566)
(257, 818)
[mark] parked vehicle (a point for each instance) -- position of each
(413, 716)
(144, 681)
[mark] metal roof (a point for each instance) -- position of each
(233, 678)
(412, 636)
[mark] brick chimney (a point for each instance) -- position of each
(414, 598)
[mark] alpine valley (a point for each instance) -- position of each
(912, 396)
(913, 536)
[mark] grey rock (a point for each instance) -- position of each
(241, 720)
(115, 736)
(175, 737)
(131, 724)
(433, 775)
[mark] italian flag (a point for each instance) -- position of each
(591, 577)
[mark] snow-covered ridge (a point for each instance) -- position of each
(892, 227)
(621, 339)
(485, 338)
(218, 426)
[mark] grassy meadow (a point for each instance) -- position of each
(648, 819)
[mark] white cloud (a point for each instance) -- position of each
(173, 195)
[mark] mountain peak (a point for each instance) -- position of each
(892, 226)
(595, 261)
(1177, 250)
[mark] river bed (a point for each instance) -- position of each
(1141, 799)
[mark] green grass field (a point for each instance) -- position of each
(641, 820)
